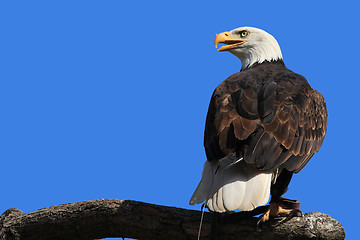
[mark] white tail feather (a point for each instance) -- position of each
(231, 184)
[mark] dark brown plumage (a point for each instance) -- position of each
(264, 124)
(268, 115)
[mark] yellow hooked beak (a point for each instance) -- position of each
(226, 39)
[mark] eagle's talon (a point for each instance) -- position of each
(300, 213)
(296, 213)
(258, 224)
(263, 218)
(290, 216)
(276, 209)
(258, 229)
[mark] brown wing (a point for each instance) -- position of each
(277, 121)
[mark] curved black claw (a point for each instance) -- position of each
(294, 213)
(288, 208)
(263, 218)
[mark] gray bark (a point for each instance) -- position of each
(105, 218)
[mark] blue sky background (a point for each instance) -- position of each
(107, 99)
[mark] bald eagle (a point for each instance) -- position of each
(263, 124)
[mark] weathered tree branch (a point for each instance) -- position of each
(103, 218)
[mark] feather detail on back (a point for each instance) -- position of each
(231, 184)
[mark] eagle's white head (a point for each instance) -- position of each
(251, 45)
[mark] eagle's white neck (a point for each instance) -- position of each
(258, 56)
(260, 46)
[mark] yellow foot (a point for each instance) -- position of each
(283, 208)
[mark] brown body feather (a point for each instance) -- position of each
(268, 115)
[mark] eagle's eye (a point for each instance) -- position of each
(243, 33)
